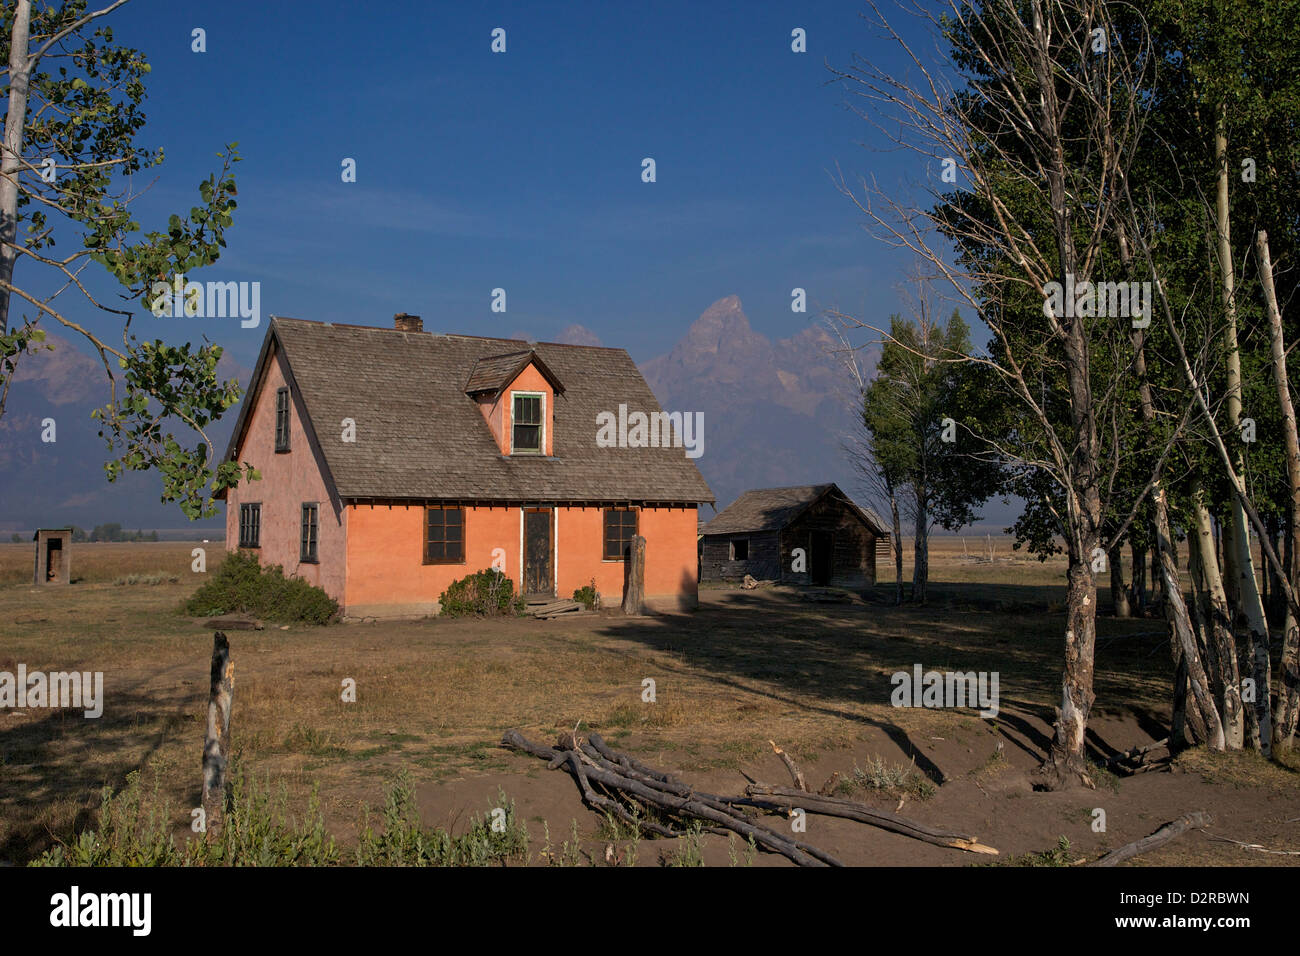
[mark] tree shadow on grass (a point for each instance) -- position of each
(817, 657)
(62, 755)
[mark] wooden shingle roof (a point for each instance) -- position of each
(771, 509)
(420, 436)
(495, 372)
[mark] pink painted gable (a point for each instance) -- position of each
(289, 479)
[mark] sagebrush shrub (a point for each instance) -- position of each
(588, 596)
(241, 585)
(483, 593)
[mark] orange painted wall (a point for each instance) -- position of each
(671, 556)
(386, 569)
(288, 479)
(386, 575)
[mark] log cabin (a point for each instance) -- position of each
(807, 534)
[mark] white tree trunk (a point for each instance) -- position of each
(1288, 700)
(11, 160)
(1238, 564)
(1227, 685)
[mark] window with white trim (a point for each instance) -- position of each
(526, 412)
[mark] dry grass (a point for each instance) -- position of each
(435, 696)
(105, 562)
(1240, 769)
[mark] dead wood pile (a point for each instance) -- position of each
(660, 804)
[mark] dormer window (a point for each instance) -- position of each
(517, 393)
(527, 415)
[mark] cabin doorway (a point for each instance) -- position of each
(539, 564)
(821, 545)
(54, 559)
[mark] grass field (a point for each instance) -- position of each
(435, 696)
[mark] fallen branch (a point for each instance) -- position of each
(1174, 828)
(1255, 846)
(853, 810)
(1137, 752)
(795, 774)
(659, 791)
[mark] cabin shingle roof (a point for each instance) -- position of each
(771, 509)
(419, 435)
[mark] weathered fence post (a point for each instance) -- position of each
(216, 745)
(634, 586)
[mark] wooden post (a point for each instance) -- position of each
(216, 746)
(634, 586)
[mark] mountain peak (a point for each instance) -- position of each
(725, 313)
(728, 303)
(578, 335)
(722, 329)
(774, 406)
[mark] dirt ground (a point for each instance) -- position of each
(435, 696)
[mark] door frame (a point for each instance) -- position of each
(551, 548)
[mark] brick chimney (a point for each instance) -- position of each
(407, 323)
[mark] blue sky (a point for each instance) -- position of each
(521, 170)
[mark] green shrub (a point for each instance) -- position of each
(483, 593)
(241, 585)
(588, 596)
(405, 842)
(158, 577)
(127, 833)
(257, 831)
(690, 848)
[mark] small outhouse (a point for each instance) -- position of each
(53, 556)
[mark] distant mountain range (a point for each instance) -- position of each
(60, 483)
(775, 413)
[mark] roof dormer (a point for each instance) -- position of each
(516, 394)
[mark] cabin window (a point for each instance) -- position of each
(620, 529)
(526, 411)
(282, 419)
(444, 535)
(310, 530)
(740, 549)
(250, 526)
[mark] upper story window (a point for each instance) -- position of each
(526, 422)
(310, 532)
(282, 419)
(250, 525)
